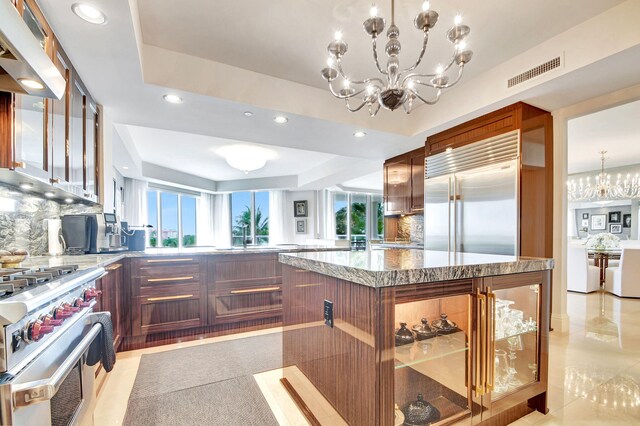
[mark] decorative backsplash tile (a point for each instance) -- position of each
(411, 228)
(22, 219)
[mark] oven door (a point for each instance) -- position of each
(57, 388)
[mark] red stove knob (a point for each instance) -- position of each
(60, 313)
(80, 303)
(49, 320)
(35, 330)
(90, 294)
(70, 308)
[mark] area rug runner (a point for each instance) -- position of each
(210, 384)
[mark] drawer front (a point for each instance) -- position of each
(246, 303)
(152, 265)
(166, 308)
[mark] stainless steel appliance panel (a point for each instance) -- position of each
(437, 213)
(487, 210)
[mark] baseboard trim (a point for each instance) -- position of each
(560, 323)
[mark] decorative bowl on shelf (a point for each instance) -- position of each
(420, 413)
(424, 331)
(403, 335)
(12, 258)
(445, 325)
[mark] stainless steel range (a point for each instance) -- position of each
(48, 325)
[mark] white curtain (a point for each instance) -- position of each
(221, 209)
(329, 216)
(135, 202)
(205, 222)
(278, 217)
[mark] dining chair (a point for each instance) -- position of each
(624, 280)
(581, 276)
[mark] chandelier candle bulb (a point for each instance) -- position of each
(457, 20)
(425, 6)
(373, 12)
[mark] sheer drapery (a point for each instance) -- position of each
(205, 222)
(135, 202)
(329, 216)
(278, 215)
(221, 208)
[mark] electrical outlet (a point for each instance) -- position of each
(328, 313)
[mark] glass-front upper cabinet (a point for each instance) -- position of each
(91, 113)
(59, 136)
(433, 357)
(30, 136)
(76, 143)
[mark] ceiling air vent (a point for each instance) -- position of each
(534, 72)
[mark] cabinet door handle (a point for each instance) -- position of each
(159, 299)
(256, 290)
(491, 338)
(480, 364)
(168, 260)
(160, 280)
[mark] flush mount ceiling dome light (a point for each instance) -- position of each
(396, 87)
(172, 99)
(89, 13)
(246, 158)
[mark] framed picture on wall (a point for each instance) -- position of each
(626, 220)
(301, 226)
(598, 222)
(300, 208)
(614, 217)
(585, 216)
(615, 228)
(585, 223)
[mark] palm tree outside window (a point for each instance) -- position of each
(250, 211)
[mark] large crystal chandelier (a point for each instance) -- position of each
(397, 87)
(602, 189)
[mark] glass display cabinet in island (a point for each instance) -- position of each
(467, 351)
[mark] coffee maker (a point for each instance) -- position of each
(91, 233)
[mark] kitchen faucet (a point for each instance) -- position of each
(245, 240)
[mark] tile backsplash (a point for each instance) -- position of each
(22, 219)
(410, 228)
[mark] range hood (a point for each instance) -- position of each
(22, 58)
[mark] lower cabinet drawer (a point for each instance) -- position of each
(246, 303)
(169, 310)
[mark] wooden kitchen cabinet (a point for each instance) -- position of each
(244, 287)
(51, 141)
(404, 183)
(112, 299)
(168, 294)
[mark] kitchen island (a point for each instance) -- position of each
(478, 351)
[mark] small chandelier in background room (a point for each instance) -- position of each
(397, 87)
(602, 189)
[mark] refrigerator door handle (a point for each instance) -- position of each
(449, 217)
(455, 215)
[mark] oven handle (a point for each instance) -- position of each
(43, 390)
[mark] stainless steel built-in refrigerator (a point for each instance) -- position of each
(471, 198)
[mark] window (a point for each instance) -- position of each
(250, 213)
(358, 218)
(173, 217)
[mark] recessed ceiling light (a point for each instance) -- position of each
(172, 99)
(31, 84)
(68, 200)
(49, 194)
(248, 113)
(125, 168)
(26, 186)
(89, 13)
(280, 119)
(359, 134)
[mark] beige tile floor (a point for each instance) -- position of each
(594, 370)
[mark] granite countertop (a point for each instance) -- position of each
(87, 261)
(393, 267)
